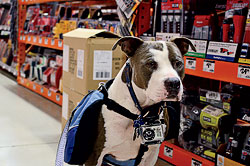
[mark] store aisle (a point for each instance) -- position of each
(29, 126)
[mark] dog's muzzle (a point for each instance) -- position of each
(172, 86)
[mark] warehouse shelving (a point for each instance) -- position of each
(47, 42)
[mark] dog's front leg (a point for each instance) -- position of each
(151, 156)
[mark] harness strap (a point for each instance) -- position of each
(109, 159)
(114, 106)
(142, 150)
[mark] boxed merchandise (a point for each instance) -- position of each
(70, 101)
(223, 51)
(220, 100)
(201, 47)
(89, 60)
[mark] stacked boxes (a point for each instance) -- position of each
(88, 60)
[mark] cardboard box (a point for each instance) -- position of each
(89, 60)
(70, 101)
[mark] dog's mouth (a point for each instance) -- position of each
(173, 95)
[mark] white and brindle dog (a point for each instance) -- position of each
(157, 73)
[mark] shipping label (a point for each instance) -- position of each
(80, 63)
(102, 65)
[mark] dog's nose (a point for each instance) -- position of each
(172, 83)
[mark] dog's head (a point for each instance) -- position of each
(157, 67)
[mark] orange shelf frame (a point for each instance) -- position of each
(84, 3)
(29, 2)
(42, 41)
(41, 90)
(180, 157)
(223, 71)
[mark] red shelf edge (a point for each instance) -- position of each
(224, 71)
(47, 42)
(41, 90)
(181, 157)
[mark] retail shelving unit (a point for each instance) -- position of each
(218, 70)
(43, 42)
(34, 40)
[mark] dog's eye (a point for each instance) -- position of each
(178, 65)
(152, 65)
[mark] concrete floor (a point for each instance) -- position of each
(29, 127)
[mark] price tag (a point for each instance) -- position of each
(22, 81)
(49, 93)
(191, 63)
(57, 97)
(52, 42)
(24, 38)
(46, 41)
(21, 37)
(208, 66)
(40, 40)
(42, 90)
(196, 163)
(244, 71)
(29, 38)
(34, 86)
(59, 43)
(15, 73)
(9, 69)
(34, 39)
(168, 151)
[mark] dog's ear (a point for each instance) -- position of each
(183, 44)
(128, 44)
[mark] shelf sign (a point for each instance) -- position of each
(168, 151)
(196, 163)
(222, 51)
(40, 40)
(46, 41)
(59, 43)
(49, 93)
(190, 63)
(208, 66)
(42, 90)
(57, 97)
(52, 42)
(34, 39)
(29, 38)
(244, 71)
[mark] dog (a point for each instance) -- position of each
(157, 74)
